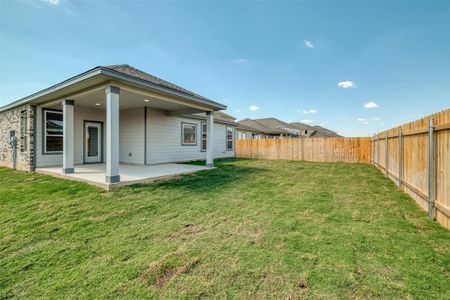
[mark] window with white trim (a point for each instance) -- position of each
(53, 131)
(189, 134)
(229, 138)
(204, 135)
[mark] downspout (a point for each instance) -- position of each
(145, 135)
(33, 149)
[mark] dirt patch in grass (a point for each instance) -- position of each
(192, 229)
(167, 268)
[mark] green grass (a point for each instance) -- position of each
(248, 229)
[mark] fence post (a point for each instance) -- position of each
(430, 168)
(400, 157)
(372, 147)
(387, 156)
(378, 152)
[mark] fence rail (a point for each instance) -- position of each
(338, 149)
(416, 156)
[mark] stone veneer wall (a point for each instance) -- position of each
(10, 120)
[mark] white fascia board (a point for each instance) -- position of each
(115, 75)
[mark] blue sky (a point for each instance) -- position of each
(354, 67)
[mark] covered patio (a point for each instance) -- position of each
(98, 128)
(129, 174)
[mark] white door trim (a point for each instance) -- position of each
(99, 157)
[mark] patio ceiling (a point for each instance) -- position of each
(128, 99)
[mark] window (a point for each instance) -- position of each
(23, 131)
(229, 138)
(189, 134)
(204, 136)
(53, 131)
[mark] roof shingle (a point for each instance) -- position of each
(131, 71)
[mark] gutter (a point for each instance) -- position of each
(216, 120)
(115, 75)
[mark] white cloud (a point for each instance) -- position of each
(308, 44)
(365, 122)
(360, 119)
(370, 104)
(346, 84)
(240, 60)
(323, 124)
(253, 107)
(238, 111)
(309, 111)
(52, 2)
(306, 121)
(375, 119)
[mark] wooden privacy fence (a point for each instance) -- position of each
(338, 149)
(417, 157)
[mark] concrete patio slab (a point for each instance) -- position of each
(129, 174)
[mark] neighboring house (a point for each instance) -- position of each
(264, 128)
(304, 130)
(313, 131)
(113, 114)
(248, 133)
(275, 124)
(268, 128)
(324, 132)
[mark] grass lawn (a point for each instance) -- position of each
(248, 229)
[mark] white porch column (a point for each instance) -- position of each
(68, 136)
(112, 134)
(209, 138)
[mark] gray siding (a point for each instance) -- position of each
(132, 136)
(163, 137)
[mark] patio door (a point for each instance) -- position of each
(93, 142)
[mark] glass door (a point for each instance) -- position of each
(92, 142)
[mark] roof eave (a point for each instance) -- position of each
(73, 80)
(115, 75)
(142, 82)
(216, 120)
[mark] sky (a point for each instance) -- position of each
(354, 67)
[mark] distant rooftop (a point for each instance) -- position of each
(276, 126)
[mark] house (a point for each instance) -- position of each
(273, 128)
(263, 129)
(324, 132)
(109, 119)
(248, 133)
(313, 131)
(304, 130)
